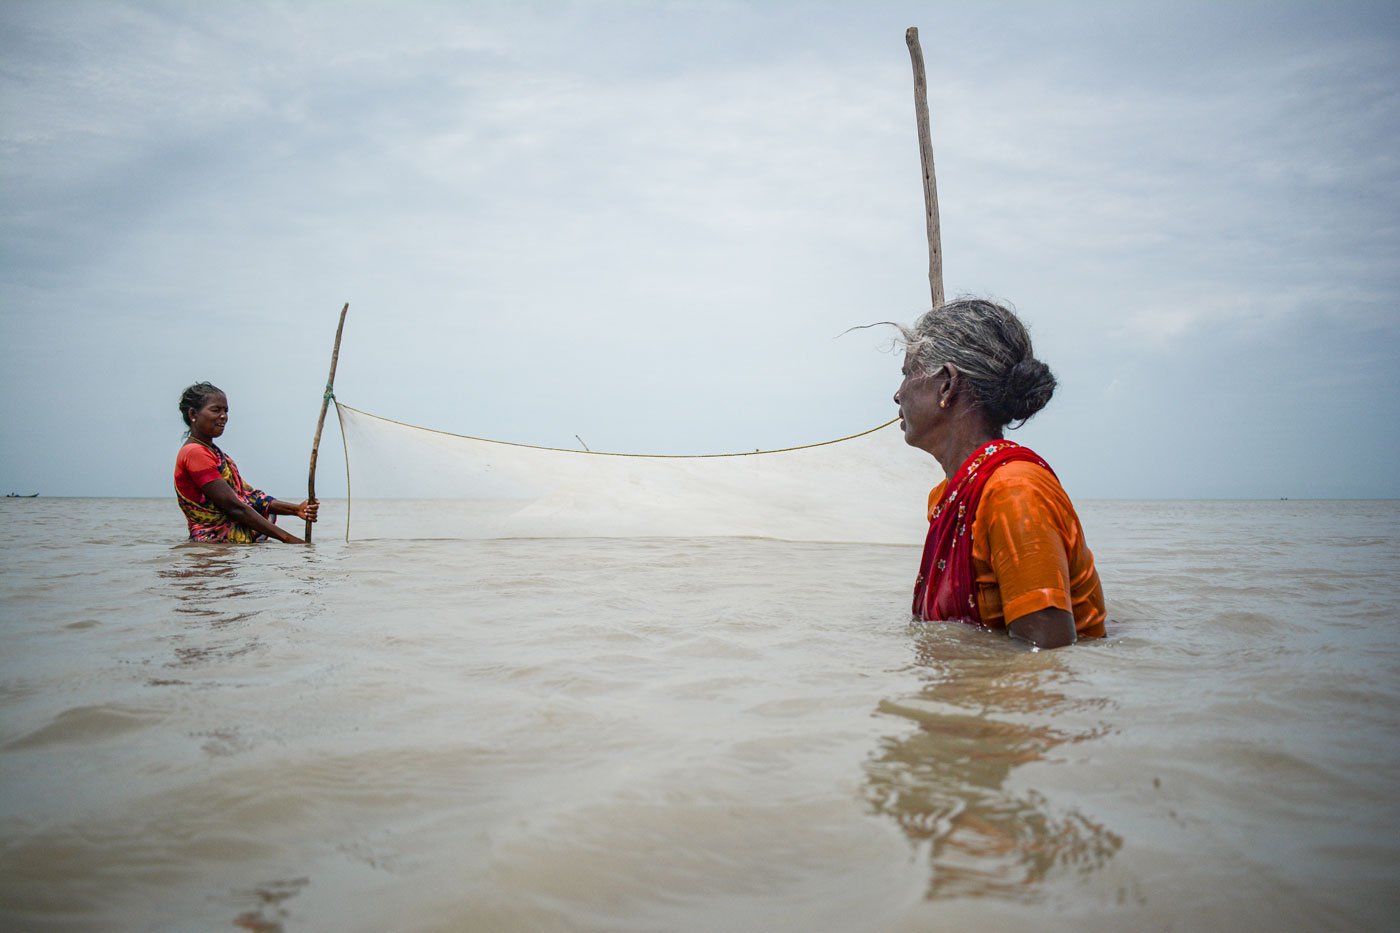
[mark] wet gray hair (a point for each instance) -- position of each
(991, 349)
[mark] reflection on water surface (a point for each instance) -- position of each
(268, 915)
(979, 716)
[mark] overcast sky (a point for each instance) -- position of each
(646, 222)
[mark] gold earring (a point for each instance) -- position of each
(943, 404)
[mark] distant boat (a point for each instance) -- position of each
(15, 495)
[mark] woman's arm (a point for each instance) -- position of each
(221, 494)
(1026, 514)
(304, 510)
(1047, 628)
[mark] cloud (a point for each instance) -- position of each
(648, 221)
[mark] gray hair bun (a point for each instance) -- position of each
(1025, 390)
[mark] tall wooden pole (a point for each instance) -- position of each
(321, 421)
(935, 242)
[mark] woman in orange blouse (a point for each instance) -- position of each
(1005, 548)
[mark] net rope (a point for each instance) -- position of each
(409, 481)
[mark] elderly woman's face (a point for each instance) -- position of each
(917, 399)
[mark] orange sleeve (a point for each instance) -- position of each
(1028, 523)
(199, 464)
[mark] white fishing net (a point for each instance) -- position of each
(412, 482)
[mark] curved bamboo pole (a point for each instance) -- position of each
(321, 421)
(935, 241)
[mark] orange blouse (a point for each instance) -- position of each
(1028, 551)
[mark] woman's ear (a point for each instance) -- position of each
(950, 386)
